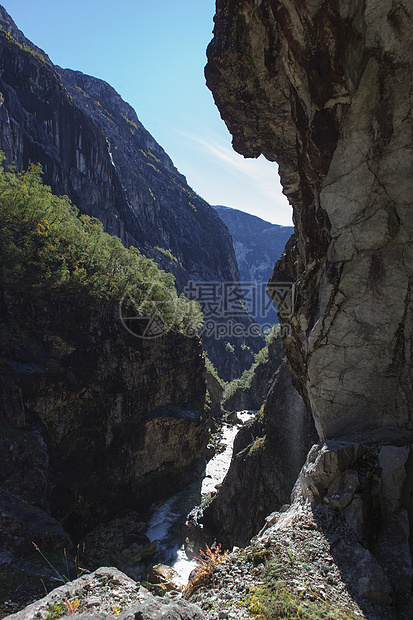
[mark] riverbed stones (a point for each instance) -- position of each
(121, 543)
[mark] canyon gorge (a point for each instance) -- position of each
(321, 479)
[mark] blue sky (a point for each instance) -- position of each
(153, 53)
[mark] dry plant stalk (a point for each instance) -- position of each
(208, 560)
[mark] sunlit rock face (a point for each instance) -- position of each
(325, 89)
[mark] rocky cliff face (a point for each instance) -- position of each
(324, 89)
(258, 244)
(94, 423)
(167, 213)
(103, 405)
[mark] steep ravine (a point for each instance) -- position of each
(324, 89)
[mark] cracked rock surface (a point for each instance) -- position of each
(325, 89)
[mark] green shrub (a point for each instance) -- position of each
(24, 48)
(167, 254)
(244, 381)
(47, 249)
(211, 368)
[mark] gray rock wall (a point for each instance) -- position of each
(324, 88)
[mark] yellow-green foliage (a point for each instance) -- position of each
(132, 125)
(211, 368)
(273, 332)
(244, 381)
(82, 91)
(24, 48)
(47, 249)
(274, 600)
(154, 157)
(166, 253)
(152, 166)
(257, 445)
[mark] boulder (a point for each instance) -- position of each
(163, 578)
(108, 593)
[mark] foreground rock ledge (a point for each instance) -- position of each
(105, 593)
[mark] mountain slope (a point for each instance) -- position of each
(94, 149)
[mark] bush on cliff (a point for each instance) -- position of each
(46, 249)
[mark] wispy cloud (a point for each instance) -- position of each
(260, 171)
(223, 176)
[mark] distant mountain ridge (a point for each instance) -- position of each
(258, 245)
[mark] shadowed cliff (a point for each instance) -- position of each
(325, 89)
(94, 149)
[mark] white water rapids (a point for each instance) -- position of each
(169, 515)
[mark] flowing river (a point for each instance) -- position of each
(165, 525)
